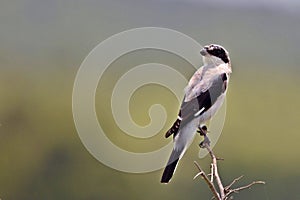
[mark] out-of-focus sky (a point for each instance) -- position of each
(255, 3)
(35, 31)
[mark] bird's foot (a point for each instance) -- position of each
(203, 132)
(205, 142)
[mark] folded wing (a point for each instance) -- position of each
(200, 104)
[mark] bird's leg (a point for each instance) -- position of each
(205, 142)
(203, 132)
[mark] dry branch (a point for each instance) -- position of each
(210, 184)
(224, 192)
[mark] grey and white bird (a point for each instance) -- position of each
(204, 95)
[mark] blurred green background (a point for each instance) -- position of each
(42, 46)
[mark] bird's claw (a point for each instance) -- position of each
(203, 132)
(205, 142)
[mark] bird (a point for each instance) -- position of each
(204, 95)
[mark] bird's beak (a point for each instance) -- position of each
(203, 52)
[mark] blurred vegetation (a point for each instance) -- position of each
(41, 155)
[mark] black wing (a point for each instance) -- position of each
(195, 107)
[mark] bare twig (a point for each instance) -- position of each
(215, 171)
(233, 182)
(212, 173)
(210, 184)
(237, 190)
(224, 192)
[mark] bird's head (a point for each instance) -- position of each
(216, 54)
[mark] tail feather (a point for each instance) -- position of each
(171, 167)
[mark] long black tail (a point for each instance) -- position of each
(170, 168)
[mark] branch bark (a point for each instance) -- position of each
(208, 182)
(224, 192)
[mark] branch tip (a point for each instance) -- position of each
(224, 192)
